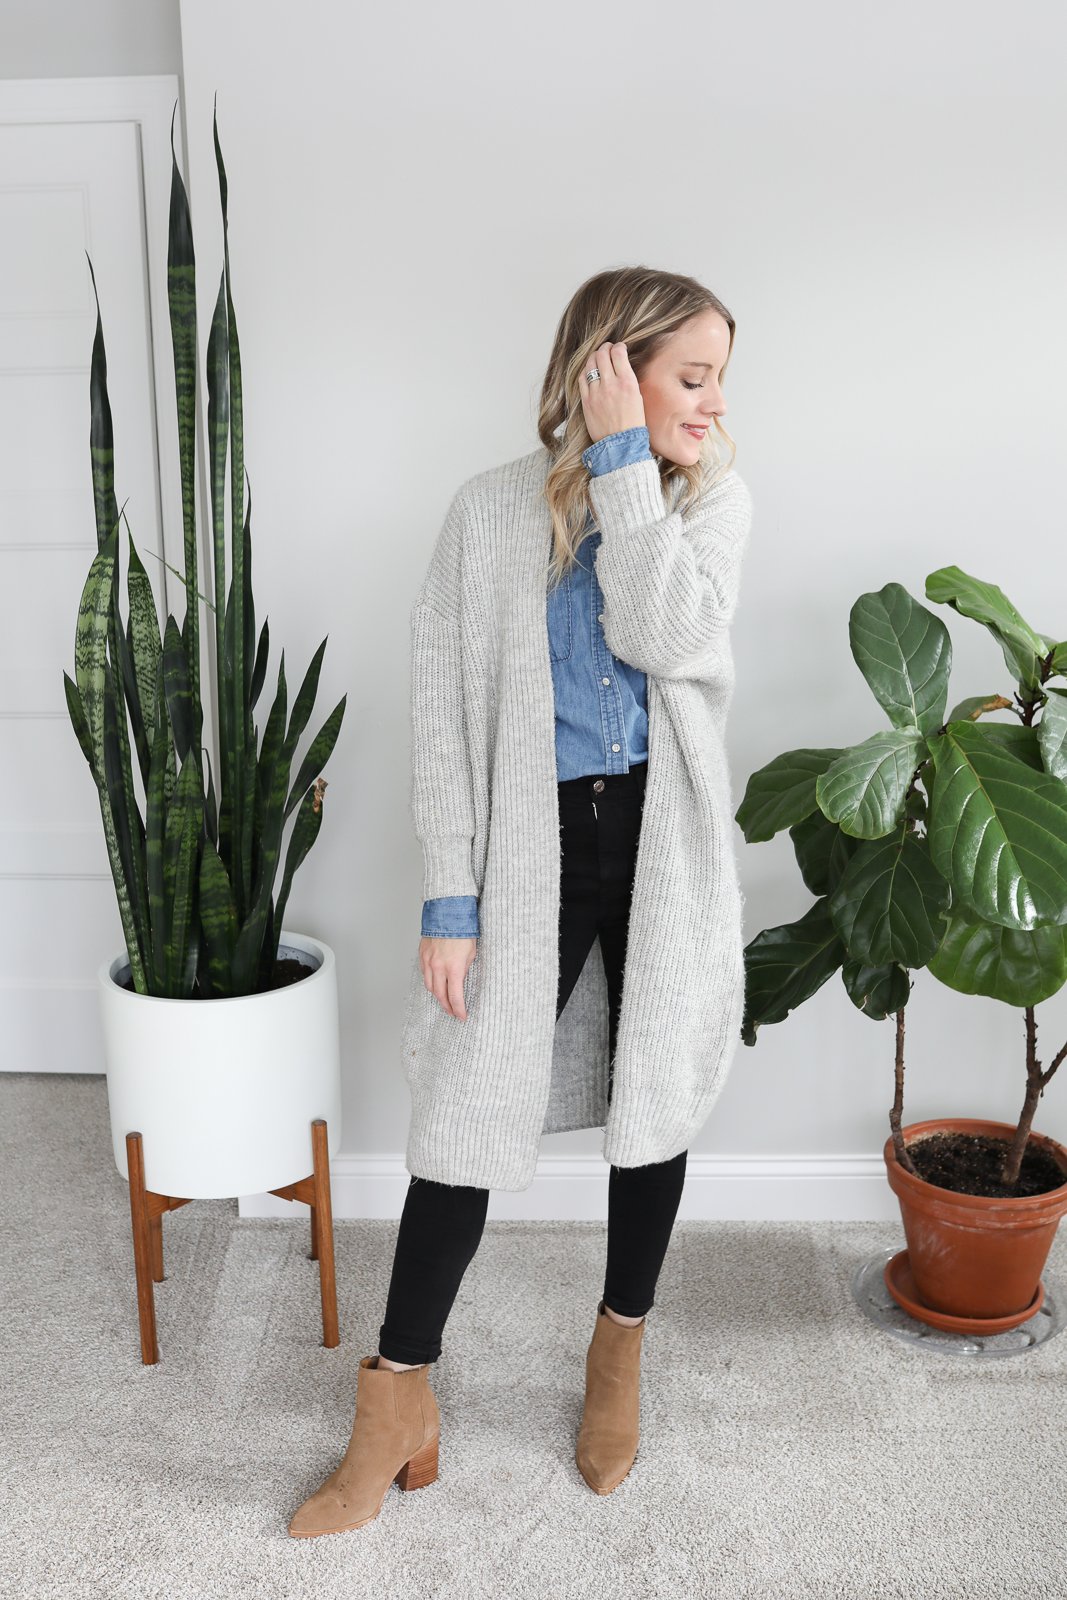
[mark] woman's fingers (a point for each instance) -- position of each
(445, 963)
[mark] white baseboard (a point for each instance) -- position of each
(814, 1188)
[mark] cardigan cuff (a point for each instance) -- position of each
(447, 864)
(629, 498)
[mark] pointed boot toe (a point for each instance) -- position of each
(610, 1427)
(395, 1437)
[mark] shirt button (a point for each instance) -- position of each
(600, 617)
(605, 680)
(614, 747)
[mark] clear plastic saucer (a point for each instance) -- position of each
(877, 1304)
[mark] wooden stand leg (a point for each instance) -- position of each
(143, 1256)
(146, 1215)
(314, 1191)
(157, 1248)
(322, 1233)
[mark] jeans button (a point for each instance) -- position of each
(598, 784)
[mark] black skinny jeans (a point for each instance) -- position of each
(441, 1224)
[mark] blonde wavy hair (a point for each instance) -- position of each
(642, 306)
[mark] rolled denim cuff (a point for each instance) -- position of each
(617, 450)
(450, 916)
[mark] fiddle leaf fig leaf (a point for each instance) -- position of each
(784, 966)
(998, 827)
(822, 851)
(1023, 649)
(890, 902)
(878, 992)
(863, 791)
(1052, 733)
(905, 653)
(782, 793)
(1019, 967)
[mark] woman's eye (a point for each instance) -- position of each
(692, 385)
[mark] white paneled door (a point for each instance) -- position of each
(68, 189)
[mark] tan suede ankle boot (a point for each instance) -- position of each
(394, 1437)
(609, 1431)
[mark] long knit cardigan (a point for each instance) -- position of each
(485, 807)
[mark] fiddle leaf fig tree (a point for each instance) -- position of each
(938, 843)
(194, 870)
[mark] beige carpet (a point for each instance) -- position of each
(788, 1448)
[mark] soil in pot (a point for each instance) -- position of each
(287, 970)
(971, 1163)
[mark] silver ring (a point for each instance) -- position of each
(592, 376)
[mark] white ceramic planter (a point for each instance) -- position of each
(223, 1092)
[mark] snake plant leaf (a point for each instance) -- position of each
(1022, 648)
(178, 688)
(318, 755)
(181, 299)
(784, 966)
(77, 717)
(133, 701)
(130, 884)
(237, 681)
(822, 851)
(1019, 967)
(248, 840)
(145, 650)
(302, 705)
(890, 902)
(218, 430)
(273, 737)
(305, 832)
(250, 605)
(155, 826)
(259, 672)
(218, 918)
(782, 792)
(181, 850)
(101, 434)
(1052, 733)
(998, 829)
(250, 938)
(211, 823)
(878, 992)
(90, 645)
(905, 653)
(863, 791)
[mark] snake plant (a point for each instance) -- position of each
(939, 843)
(194, 873)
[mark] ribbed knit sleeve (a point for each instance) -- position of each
(670, 584)
(442, 803)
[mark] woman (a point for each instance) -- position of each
(571, 676)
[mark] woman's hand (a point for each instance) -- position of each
(444, 965)
(613, 402)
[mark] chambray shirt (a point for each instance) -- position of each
(598, 733)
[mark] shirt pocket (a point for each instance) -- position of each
(561, 621)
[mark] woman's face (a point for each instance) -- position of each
(680, 387)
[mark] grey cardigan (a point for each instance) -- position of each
(485, 808)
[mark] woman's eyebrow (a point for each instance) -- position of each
(705, 364)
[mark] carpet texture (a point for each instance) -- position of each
(788, 1448)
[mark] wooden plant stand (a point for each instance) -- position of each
(147, 1208)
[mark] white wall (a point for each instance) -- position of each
(877, 196)
(109, 38)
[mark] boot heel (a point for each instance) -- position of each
(421, 1469)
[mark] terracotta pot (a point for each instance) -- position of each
(975, 1255)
